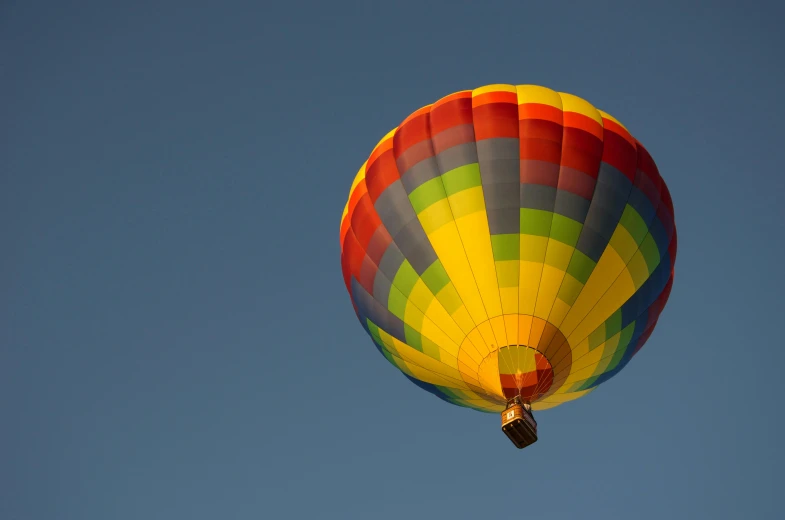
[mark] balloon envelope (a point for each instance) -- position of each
(510, 240)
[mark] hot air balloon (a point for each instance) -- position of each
(509, 249)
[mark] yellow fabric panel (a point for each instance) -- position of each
(413, 316)
(435, 216)
(623, 243)
(493, 88)
(447, 244)
(435, 378)
(524, 328)
(387, 340)
(415, 358)
(436, 313)
(559, 309)
(530, 275)
(470, 377)
(537, 94)
(466, 202)
(462, 318)
(533, 248)
(535, 334)
(489, 375)
(469, 361)
(507, 271)
(638, 270)
(511, 326)
(476, 339)
(446, 345)
(621, 291)
(581, 106)
(488, 334)
(476, 239)
(509, 296)
(549, 288)
(500, 331)
(607, 269)
(422, 297)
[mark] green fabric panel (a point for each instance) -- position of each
(536, 222)
(506, 247)
(634, 224)
(430, 348)
(650, 253)
(613, 325)
(565, 229)
(427, 194)
(435, 277)
(413, 337)
(581, 266)
(449, 299)
(597, 337)
(396, 303)
(405, 278)
(461, 178)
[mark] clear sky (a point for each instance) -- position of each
(175, 338)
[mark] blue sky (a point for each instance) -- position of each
(175, 338)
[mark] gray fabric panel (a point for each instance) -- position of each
(591, 244)
(414, 244)
(571, 205)
(391, 262)
(419, 174)
(365, 302)
(502, 195)
(394, 208)
(504, 221)
(615, 180)
(602, 222)
(537, 196)
(381, 286)
(609, 198)
(394, 326)
(500, 174)
(500, 148)
(640, 202)
(500, 171)
(607, 205)
(499, 160)
(377, 312)
(457, 156)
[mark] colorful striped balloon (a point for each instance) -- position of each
(510, 240)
